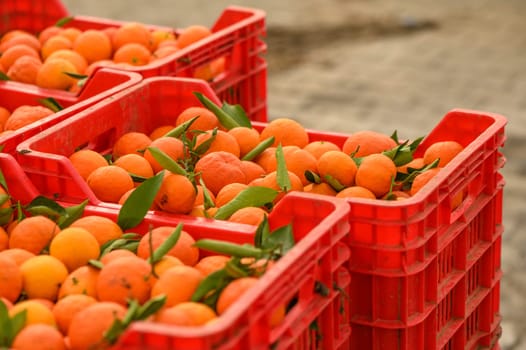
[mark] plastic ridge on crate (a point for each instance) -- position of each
(419, 267)
(320, 226)
(237, 36)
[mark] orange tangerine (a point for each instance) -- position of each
(93, 45)
(192, 34)
(286, 131)
(85, 161)
(376, 173)
(184, 249)
(366, 142)
(109, 183)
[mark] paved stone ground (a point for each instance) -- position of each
(346, 65)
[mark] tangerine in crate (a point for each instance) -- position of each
(228, 54)
(309, 279)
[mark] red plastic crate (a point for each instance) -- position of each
(103, 83)
(408, 256)
(319, 224)
(466, 310)
(236, 35)
(411, 259)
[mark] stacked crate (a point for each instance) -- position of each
(413, 274)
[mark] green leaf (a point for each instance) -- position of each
(179, 130)
(165, 247)
(96, 264)
(4, 326)
(76, 76)
(224, 118)
(116, 329)
(133, 309)
(234, 270)
(406, 180)
(126, 241)
(82, 82)
(253, 196)
(19, 212)
(312, 177)
(208, 284)
(204, 146)
(414, 145)
(139, 202)
(394, 137)
(262, 232)
(237, 113)
(211, 287)
(357, 160)
(131, 235)
(403, 153)
(282, 172)
(63, 21)
(4, 198)
(137, 178)
(3, 183)
(5, 215)
(166, 162)
(228, 248)
(45, 202)
(72, 214)
(45, 211)
(281, 238)
(3, 310)
(151, 307)
(208, 202)
(109, 157)
(256, 151)
(18, 322)
(131, 246)
(51, 103)
(4, 77)
(335, 184)
(391, 153)
(403, 157)
(47, 207)
(111, 245)
(10, 326)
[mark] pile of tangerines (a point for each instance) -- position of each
(72, 286)
(58, 56)
(78, 284)
(211, 165)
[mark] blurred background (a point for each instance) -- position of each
(349, 65)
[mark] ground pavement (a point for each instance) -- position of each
(347, 65)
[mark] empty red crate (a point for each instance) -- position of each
(408, 256)
(103, 83)
(319, 256)
(236, 36)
